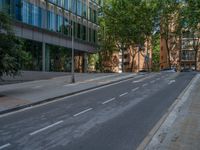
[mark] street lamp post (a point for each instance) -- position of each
(72, 61)
(72, 69)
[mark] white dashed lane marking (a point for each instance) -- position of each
(82, 112)
(110, 100)
(123, 94)
(45, 128)
(135, 89)
(4, 146)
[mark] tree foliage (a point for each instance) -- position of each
(11, 52)
(128, 23)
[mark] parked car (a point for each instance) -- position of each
(169, 70)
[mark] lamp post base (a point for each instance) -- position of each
(73, 78)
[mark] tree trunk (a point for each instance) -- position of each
(123, 69)
(168, 53)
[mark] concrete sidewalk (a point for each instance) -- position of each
(181, 128)
(21, 95)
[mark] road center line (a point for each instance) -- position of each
(4, 146)
(45, 128)
(84, 111)
(135, 89)
(123, 94)
(110, 100)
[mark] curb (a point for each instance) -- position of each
(143, 145)
(61, 96)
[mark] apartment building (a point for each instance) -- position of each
(46, 28)
(183, 55)
(135, 59)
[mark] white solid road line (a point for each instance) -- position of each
(45, 128)
(110, 100)
(135, 89)
(123, 94)
(4, 146)
(84, 111)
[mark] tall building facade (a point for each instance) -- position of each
(46, 27)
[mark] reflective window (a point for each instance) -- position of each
(51, 21)
(84, 12)
(53, 1)
(74, 5)
(84, 33)
(60, 3)
(66, 27)
(25, 12)
(66, 4)
(59, 21)
(37, 21)
(78, 31)
(79, 7)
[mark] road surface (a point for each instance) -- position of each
(114, 117)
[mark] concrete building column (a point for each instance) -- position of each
(45, 57)
(85, 62)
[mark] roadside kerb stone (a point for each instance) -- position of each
(158, 134)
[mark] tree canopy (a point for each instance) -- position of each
(129, 23)
(11, 52)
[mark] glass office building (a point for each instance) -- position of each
(49, 23)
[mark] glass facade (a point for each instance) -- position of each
(52, 17)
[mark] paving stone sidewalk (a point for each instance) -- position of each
(181, 129)
(21, 95)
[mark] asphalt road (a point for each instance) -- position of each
(115, 117)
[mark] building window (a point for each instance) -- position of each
(74, 5)
(79, 7)
(94, 36)
(37, 21)
(53, 1)
(66, 27)
(59, 20)
(78, 31)
(51, 21)
(84, 33)
(95, 16)
(60, 3)
(84, 12)
(66, 4)
(90, 35)
(188, 55)
(25, 11)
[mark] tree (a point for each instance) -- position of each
(156, 52)
(170, 28)
(11, 53)
(129, 23)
